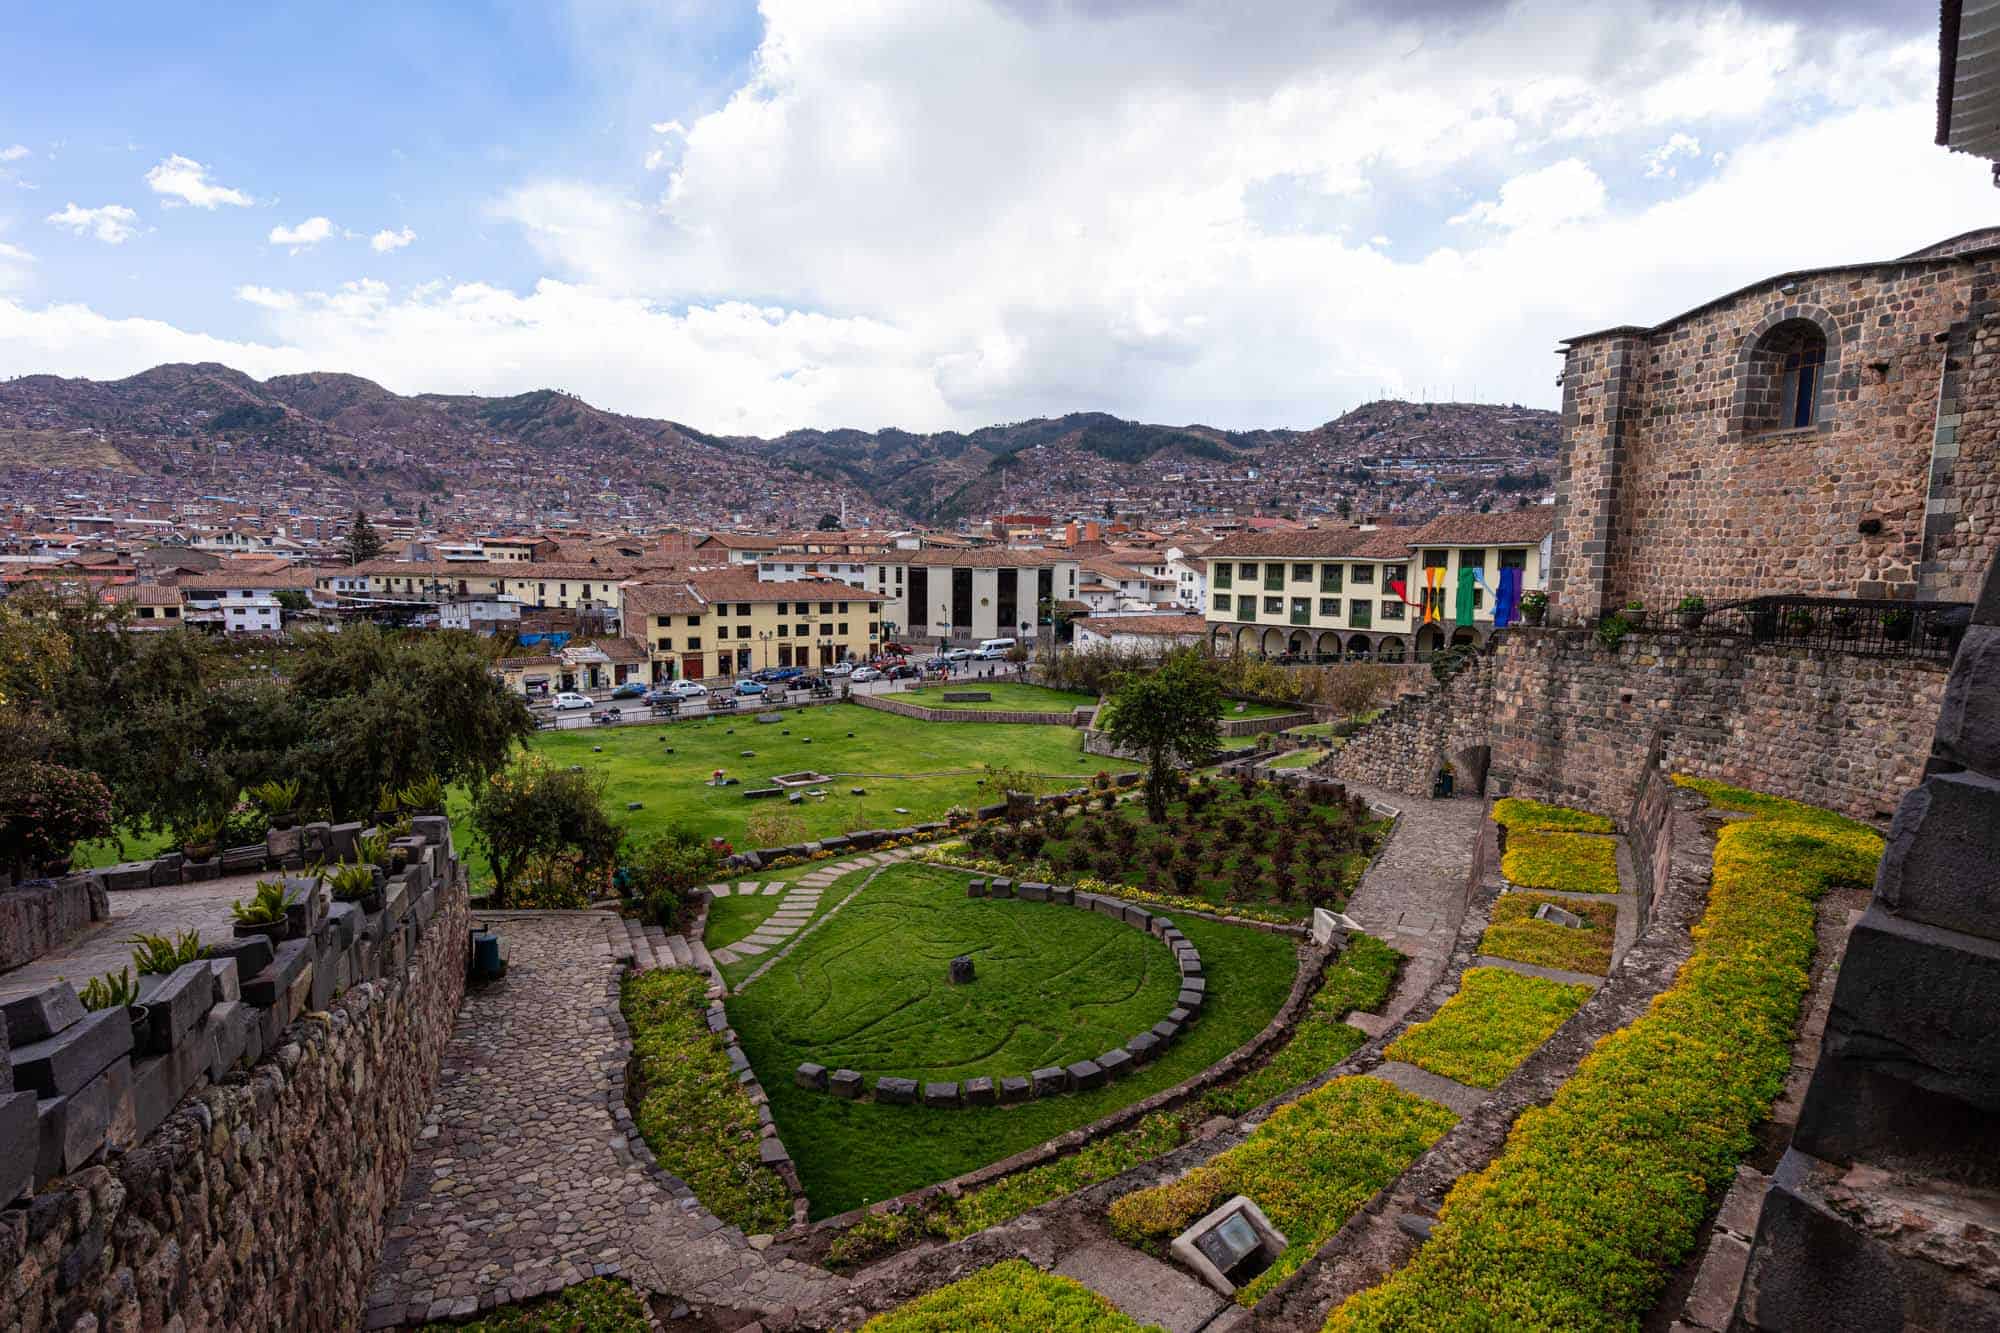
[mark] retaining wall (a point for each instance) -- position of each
(45, 914)
(1021, 717)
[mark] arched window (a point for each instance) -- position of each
(1787, 376)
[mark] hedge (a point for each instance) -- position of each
(690, 1109)
(1513, 813)
(1498, 1019)
(1010, 1295)
(1308, 1167)
(1576, 862)
(1516, 934)
(1596, 1196)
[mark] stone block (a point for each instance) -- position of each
(20, 1144)
(129, 875)
(896, 1091)
(62, 1064)
(342, 840)
(811, 1077)
(272, 985)
(395, 901)
(980, 1092)
(345, 918)
(325, 975)
(1942, 865)
(960, 971)
(1160, 925)
(941, 1096)
(76, 1127)
(1136, 915)
(1145, 1048)
(1000, 888)
(1180, 1014)
(1062, 894)
(32, 1018)
(251, 954)
(1116, 1062)
(433, 829)
(772, 1152)
(1032, 891)
(1168, 1028)
(1189, 962)
(1968, 730)
(844, 1083)
(199, 872)
(1196, 984)
(1105, 906)
(1558, 916)
(167, 869)
(1050, 1080)
(1015, 1090)
(318, 840)
(224, 1036)
(223, 972)
(284, 846)
(175, 1004)
(159, 1083)
(1086, 1074)
(975, 888)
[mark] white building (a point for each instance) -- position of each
(258, 613)
(480, 615)
(1139, 633)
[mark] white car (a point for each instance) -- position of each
(687, 689)
(841, 669)
(569, 699)
(862, 675)
(959, 655)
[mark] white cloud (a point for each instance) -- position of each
(669, 127)
(182, 180)
(1660, 162)
(1566, 191)
(304, 236)
(382, 242)
(266, 297)
(113, 223)
(14, 265)
(14, 153)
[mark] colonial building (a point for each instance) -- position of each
(1327, 593)
(1828, 432)
(725, 624)
(962, 595)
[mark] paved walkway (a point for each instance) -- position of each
(522, 1182)
(1412, 895)
(794, 910)
(106, 946)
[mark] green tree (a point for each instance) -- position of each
(363, 542)
(829, 522)
(1169, 717)
(291, 599)
(666, 871)
(530, 815)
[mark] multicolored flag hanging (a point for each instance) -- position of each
(1463, 611)
(1507, 603)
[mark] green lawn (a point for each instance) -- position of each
(924, 768)
(732, 918)
(1298, 758)
(106, 851)
(1007, 697)
(867, 992)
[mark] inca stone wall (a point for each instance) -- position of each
(1403, 748)
(1674, 481)
(259, 1203)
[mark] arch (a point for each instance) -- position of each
(1247, 638)
(1389, 648)
(1466, 634)
(1469, 765)
(1274, 641)
(1360, 647)
(1327, 644)
(1786, 371)
(1429, 639)
(1215, 637)
(1299, 641)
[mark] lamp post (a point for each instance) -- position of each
(764, 638)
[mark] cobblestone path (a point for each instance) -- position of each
(106, 946)
(522, 1181)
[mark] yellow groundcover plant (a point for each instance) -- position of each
(1596, 1196)
(1514, 813)
(1497, 1019)
(1576, 862)
(1008, 1296)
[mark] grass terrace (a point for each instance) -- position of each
(1361, 978)
(1498, 1019)
(1574, 862)
(1516, 934)
(1517, 815)
(1010, 1295)
(1008, 697)
(1596, 1196)
(596, 1305)
(867, 991)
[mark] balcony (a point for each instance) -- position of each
(1860, 626)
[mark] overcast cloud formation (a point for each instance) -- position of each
(931, 213)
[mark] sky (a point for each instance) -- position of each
(943, 213)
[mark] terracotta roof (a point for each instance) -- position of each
(296, 578)
(523, 663)
(1316, 543)
(617, 650)
(1512, 527)
(745, 586)
(1188, 624)
(148, 594)
(742, 541)
(661, 599)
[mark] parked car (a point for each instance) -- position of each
(862, 675)
(779, 675)
(810, 683)
(957, 655)
(896, 650)
(684, 689)
(569, 699)
(631, 689)
(749, 687)
(903, 671)
(841, 669)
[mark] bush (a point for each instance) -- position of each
(689, 1107)
(1498, 1019)
(1514, 933)
(545, 831)
(1597, 1195)
(1577, 862)
(1308, 1167)
(1009, 1295)
(666, 871)
(45, 811)
(1513, 813)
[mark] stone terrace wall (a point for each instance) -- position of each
(1402, 749)
(44, 914)
(1573, 721)
(1649, 833)
(259, 1203)
(884, 704)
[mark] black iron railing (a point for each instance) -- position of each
(1863, 626)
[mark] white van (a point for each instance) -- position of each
(990, 649)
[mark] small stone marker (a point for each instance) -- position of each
(941, 1095)
(979, 1092)
(1086, 1074)
(1558, 916)
(961, 970)
(896, 1091)
(845, 1083)
(811, 1077)
(1050, 1081)
(1014, 1090)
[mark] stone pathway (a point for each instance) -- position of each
(1413, 895)
(798, 905)
(106, 947)
(522, 1181)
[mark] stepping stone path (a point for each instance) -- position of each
(796, 911)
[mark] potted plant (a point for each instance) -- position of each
(1896, 626)
(159, 955)
(1535, 607)
(279, 801)
(1799, 622)
(358, 883)
(424, 796)
(120, 989)
(1634, 613)
(263, 914)
(1844, 621)
(1692, 610)
(1611, 630)
(200, 841)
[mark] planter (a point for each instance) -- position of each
(276, 931)
(279, 823)
(1536, 614)
(1634, 616)
(142, 1026)
(1843, 624)
(370, 902)
(1894, 629)
(199, 851)
(1691, 620)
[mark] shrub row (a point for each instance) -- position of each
(1013, 1294)
(690, 1109)
(1514, 933)
(1515, 813)
(1308, 1167)
(1597, 1195)
(1498, 1019)
(1576, 862)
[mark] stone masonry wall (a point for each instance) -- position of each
(1574, 722)
(259, 1203)
(1668, 485)
(1403, 748)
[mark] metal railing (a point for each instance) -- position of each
(1861, 626)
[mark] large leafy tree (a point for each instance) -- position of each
(1169, 717)
(532, 818)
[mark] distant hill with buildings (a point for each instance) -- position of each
(204, 429)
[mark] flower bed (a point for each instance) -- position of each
(1514, 813)
(1308, 1167)
(1516, 934)
(1497, 1019)
(1576, 862)
(1360, 979)
(1597, 1195)
(694, 1115)
(1014, 1294)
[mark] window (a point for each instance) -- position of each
(1358, 610)
(1247, 572)
(784, 630)
(1274, 577)
(665, 645)
(694, 643)
(1395, 574)
(1436, 559)
(1471, 558)
(743, 608)
(1224, 575)
(1514, 560)
(693, 621)
(825, 609)
(843, 608)
(1222, 602)
(1274, 606)
(1301, 610)
(1392, 609)
(1329, 608)
(804, 632)
(1329, 578)
(1362, 574)
(842, 631)
(1302, 573)
(722, 608)
(1784, 378)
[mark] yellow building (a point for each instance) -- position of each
(567, 586)
(725, 624)
(1329, 593)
